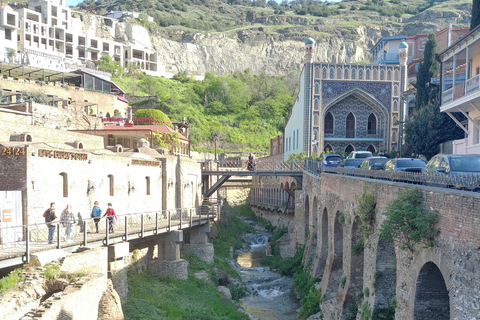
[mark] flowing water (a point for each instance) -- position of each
(269, 294)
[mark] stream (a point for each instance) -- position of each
(269, 294)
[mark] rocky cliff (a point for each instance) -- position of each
(272, 44)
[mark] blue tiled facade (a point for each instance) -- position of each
(380, 90)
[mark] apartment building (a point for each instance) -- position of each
(460, 88)
(45, 35)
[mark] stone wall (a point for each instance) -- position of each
(444, 277)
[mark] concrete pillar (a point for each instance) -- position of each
(198, 243)
(168, 261)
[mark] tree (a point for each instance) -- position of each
(408, 222)
(475, 14)
(429, 68)
(428, 129)
(152, 116)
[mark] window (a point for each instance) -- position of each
(315, 119)
(328, 148)
(476, 135)
(64, 184)
(147, 181)
(350, 126)
(371, 148)
(372, 124)
(111, 185)
(328, 124)
(293, 139)
(297, 138)
(349, 149)
(8, 34)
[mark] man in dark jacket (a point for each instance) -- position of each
(50, 217)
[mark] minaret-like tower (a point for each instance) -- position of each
(402, 61)
(308, 146)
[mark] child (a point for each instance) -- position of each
(110, 213)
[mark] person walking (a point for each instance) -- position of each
(111, 216)
(50, 217)
(251, 162)
(67, 219)
(96, 214)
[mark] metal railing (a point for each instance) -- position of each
(467, 181)
(21, 240)
(260, 165)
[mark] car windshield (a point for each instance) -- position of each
(363, 155)
(333, 158)
(352, 162)
(467, 164)
(410, 163)
(378, 162)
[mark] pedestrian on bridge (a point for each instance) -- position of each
(50, 217)
(96, 214)
(68, 220)
(111, 216)
(251, 162)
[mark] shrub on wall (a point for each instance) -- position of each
(408, 222)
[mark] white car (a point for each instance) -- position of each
(359, 155)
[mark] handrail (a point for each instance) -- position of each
(34, 237)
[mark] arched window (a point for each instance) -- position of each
(328, 124)
(111, 185)
(395, 105)
(395, 90)
(339, 73)
(147, 181)
(396, 75)
(64, 178)
(345, 74)
(316, 104)
(350, 126)
(394, 136)
(294, 140)
(389, 75)
(317, 72)
(317, 88)
(367, 74)
(371, 148)
(315, 119)
(353, 73)
(375, 74)
(324, 73)
(328, 148)
(372, 124)
(382, 74)
(349, 149)
(332, 73)
(360, 74)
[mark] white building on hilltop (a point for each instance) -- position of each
(45, 35)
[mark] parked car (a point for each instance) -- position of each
(332, 160)
(404, 164)
(463, 169)
(373, 163)
(359, 154)
(351, 163)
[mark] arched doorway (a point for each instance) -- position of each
(386, 279)
(350, 126)
(349, 149)
(371, 148)
(431, 295)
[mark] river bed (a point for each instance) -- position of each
(269, 295)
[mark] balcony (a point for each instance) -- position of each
(386, 58)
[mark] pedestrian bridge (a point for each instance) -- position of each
(227, 169)
(18, 243)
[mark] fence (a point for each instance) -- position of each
(28, 238)
(260, 165)
(465, 181)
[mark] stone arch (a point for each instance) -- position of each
(349, 149)
(337, 255)
(328, 147)
(356, 268)
(386, 281)
(396, 75)
(431, 294)
(323, 245)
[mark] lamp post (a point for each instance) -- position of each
(215, 140)
(400, 137)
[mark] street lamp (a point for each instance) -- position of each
(215, 140)
(400, 137)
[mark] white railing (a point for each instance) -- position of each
(447, 96)
(472, 84)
